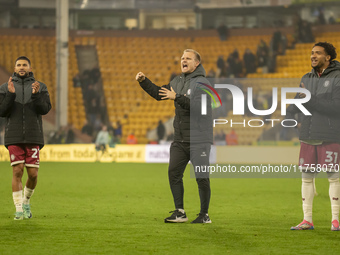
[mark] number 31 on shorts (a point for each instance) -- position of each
(331, 157)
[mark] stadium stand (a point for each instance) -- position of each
(120, 58)
(41, 51)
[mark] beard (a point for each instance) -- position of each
(321, 65)
(317, 68)
(24, 75)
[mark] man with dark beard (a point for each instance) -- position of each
(22, 102)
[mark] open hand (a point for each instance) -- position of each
(167, 94)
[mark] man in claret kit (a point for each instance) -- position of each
(320, 132)
(22, 102)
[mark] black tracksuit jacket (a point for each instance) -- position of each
(189, 125)
(324, 105)
(23, 111)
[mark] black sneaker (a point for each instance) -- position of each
(176, 217)
(202, 218)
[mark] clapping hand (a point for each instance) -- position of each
(35, 87)
(11, 87)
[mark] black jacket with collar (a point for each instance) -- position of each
(324, 105)
(23, 111)
(189, 124)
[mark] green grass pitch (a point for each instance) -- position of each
(119, 208)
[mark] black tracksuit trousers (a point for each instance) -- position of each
(180, 154)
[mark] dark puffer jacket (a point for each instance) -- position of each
(23, 111)
(189, 124)
(324, 105)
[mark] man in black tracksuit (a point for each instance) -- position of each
(193, 132)
(22, 102)
(320, 131)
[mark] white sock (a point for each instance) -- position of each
(27, 195)
(334, 194)
(17, 199)
(307, 191)
(181, 210)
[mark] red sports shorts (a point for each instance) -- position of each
(24, 153)
(325, 156)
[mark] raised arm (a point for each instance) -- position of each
(149, 87)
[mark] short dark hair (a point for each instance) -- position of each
(329, 49)
(23, 58)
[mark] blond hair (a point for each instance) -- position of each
(197, 55)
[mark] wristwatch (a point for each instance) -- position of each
(177, 96)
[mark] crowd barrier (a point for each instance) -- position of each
(85, 153)
(160, 154)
